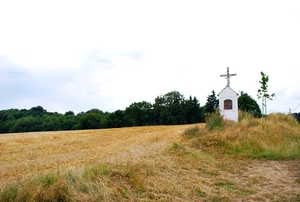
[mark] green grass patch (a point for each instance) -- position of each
(201, 193)
(224, 183)
(191, 132)
(215, 121)
(177, 148)
(95, 172)
(9, 194)
(243, 193)
(47, 180)
(220, 199)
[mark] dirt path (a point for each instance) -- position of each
(272, 179)
(264, 180)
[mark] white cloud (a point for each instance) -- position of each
(75, 55)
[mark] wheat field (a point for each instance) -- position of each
(26, 155)
(150, 163)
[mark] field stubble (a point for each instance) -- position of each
(25, 155)
(153, 163)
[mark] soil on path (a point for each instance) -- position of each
(272, 179)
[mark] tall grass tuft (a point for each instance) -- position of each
(49, 187)
(214, 121)
(191, 131)
(95, 183)
(279, 138)
(92, 173)
(9, 194)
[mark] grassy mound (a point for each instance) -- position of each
(276, 137)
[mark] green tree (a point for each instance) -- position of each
(48, 122)
(26, 124)
(212, 103)
(248, 104)
(140, 113)
(116, 119)
(169, 109)
(262, 92)
(91, 120)
(52, 122)
(37, 111)
(97, 111)
(69, 121)
(8, 119)
(69, 113)
(194, 112)
(297, 116)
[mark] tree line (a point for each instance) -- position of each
(169, 109)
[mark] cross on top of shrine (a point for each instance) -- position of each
(227, 76)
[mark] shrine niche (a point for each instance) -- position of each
(227, 104)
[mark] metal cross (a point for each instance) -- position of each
(227, 76)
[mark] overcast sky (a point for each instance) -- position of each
(79, 55)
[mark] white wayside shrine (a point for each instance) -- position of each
(228, 100)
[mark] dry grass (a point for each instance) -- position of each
(138, 164)
(277, 139)
(31, 154)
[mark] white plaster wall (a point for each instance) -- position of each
(231, 114)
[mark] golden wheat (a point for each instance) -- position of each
(26, 155)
